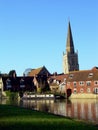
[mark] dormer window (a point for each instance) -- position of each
(90, 75)
(71, 76)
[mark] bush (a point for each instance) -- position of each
(12, 95)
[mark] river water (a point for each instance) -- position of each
(82, 109)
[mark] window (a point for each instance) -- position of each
(88, 90)
(81, 90)
(81, 83)
(71, 76)
(75, 91)
(95, 82)
(75, 84)
(8, 83)
(88, 83)
(96, 90)
(22, 84)
(90, 75)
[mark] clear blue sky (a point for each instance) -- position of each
(33, 33)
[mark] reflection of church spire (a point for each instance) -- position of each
(69, 44)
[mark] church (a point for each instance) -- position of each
(70, 58)
(73, 82)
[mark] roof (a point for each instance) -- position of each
(38, 71)
(59, 77)
(83, 75)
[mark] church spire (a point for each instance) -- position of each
(69, 44)
(70, 58)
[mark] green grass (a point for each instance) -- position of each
(15, 118)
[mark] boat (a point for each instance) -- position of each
(38, 96)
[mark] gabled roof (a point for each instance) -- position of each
(39, 71)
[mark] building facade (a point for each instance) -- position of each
(83, 84)
(70, 58)
(78, 84)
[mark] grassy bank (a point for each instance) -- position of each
(15, 118)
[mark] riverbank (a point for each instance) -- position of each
(16, 118)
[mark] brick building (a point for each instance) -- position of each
(78, 84)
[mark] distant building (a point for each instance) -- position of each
(27, 71)
(70, 58)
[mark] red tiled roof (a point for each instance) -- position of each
(83, 75)
(35, 71)
(39, 71)
(59, 77)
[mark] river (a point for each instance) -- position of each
(82, 109)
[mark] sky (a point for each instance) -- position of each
(33, 33)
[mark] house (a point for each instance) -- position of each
(2, 93)
(77, 84)
(82, 84)
(57, 83)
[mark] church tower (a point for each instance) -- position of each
(70, 58)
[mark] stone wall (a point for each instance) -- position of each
(84, 95)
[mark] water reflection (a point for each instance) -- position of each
(85, 109)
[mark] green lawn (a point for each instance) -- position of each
(15, 118)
